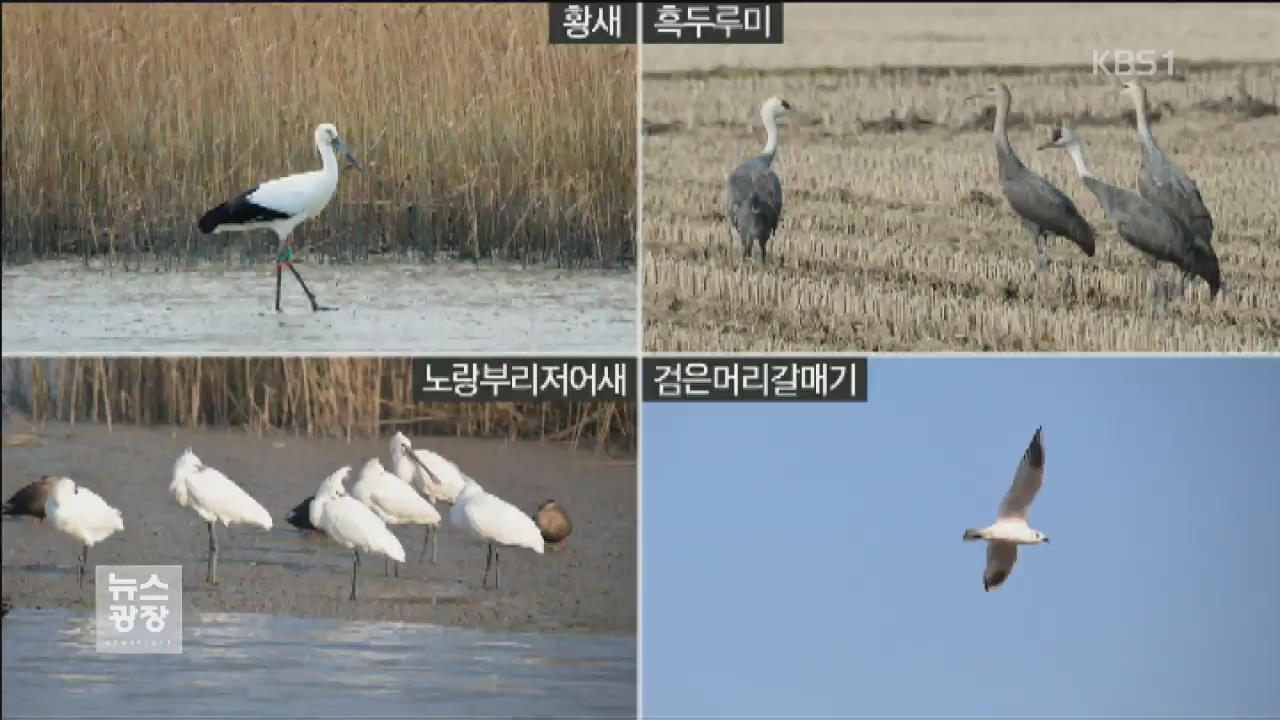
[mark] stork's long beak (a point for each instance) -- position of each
(979, 96)
(1046, 146)
(337, 142)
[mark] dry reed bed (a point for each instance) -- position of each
(888, 241)
(122, 123)
(312, 397)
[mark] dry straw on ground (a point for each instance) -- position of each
(122, 123)
(312, 397)
(895, 235)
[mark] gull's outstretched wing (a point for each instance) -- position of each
(1026, 481)
(1000, 559)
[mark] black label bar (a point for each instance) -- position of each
(822, 378)
(592, 23)
(751, 23)
(525, 379)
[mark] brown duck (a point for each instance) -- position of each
(30, 500)
(553, 522)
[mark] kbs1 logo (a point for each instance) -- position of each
(1132, 62)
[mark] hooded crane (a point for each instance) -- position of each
(282, 204)
(1165, 184)
(215, 498)
(1044, 209)
(1156, 233)
(753, 193)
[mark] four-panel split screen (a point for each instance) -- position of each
(663, 360)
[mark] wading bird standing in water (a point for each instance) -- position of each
(1044, 209)
(349, 523)
(1010, 528)
(753, 193)
(282, 204)
(393, 500)
(81, 513)
(215, 498)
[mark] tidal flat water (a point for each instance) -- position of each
(248, 665)
(62, 306)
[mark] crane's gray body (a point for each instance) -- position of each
(1147, 227)
(1165, 184)
(1044, 209)
(1162, 182)
(753, 202)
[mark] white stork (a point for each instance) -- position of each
(282, 204)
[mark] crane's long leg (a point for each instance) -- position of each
(497, 569)
(425, 539)
(212, 577)
(278, 278)
(84, 560)
(435, 544)
(355, 566)
(487, 563)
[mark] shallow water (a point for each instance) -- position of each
(414, 309)
(240, 665)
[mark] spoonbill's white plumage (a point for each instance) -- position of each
(215, 498)
(81, 513)
(487, 518)
(349, 523)
(394, 501)
(1010, 528)
(440, 480)
(282, 204)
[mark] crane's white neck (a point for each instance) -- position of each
(1140, 112)
(999, 128)
(771, 130)
(1077, 156)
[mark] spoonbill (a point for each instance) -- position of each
(215, 498)
(30, 499)
(1010, 528)
(394, 501)
(83, 514)
(434, 475)
(349, 523)
(282, 204)
(553, 522)
(489, 519)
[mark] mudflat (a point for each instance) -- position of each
(589, 585)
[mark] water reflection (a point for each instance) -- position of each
(239, 665)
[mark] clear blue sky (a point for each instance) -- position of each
(805, 559)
